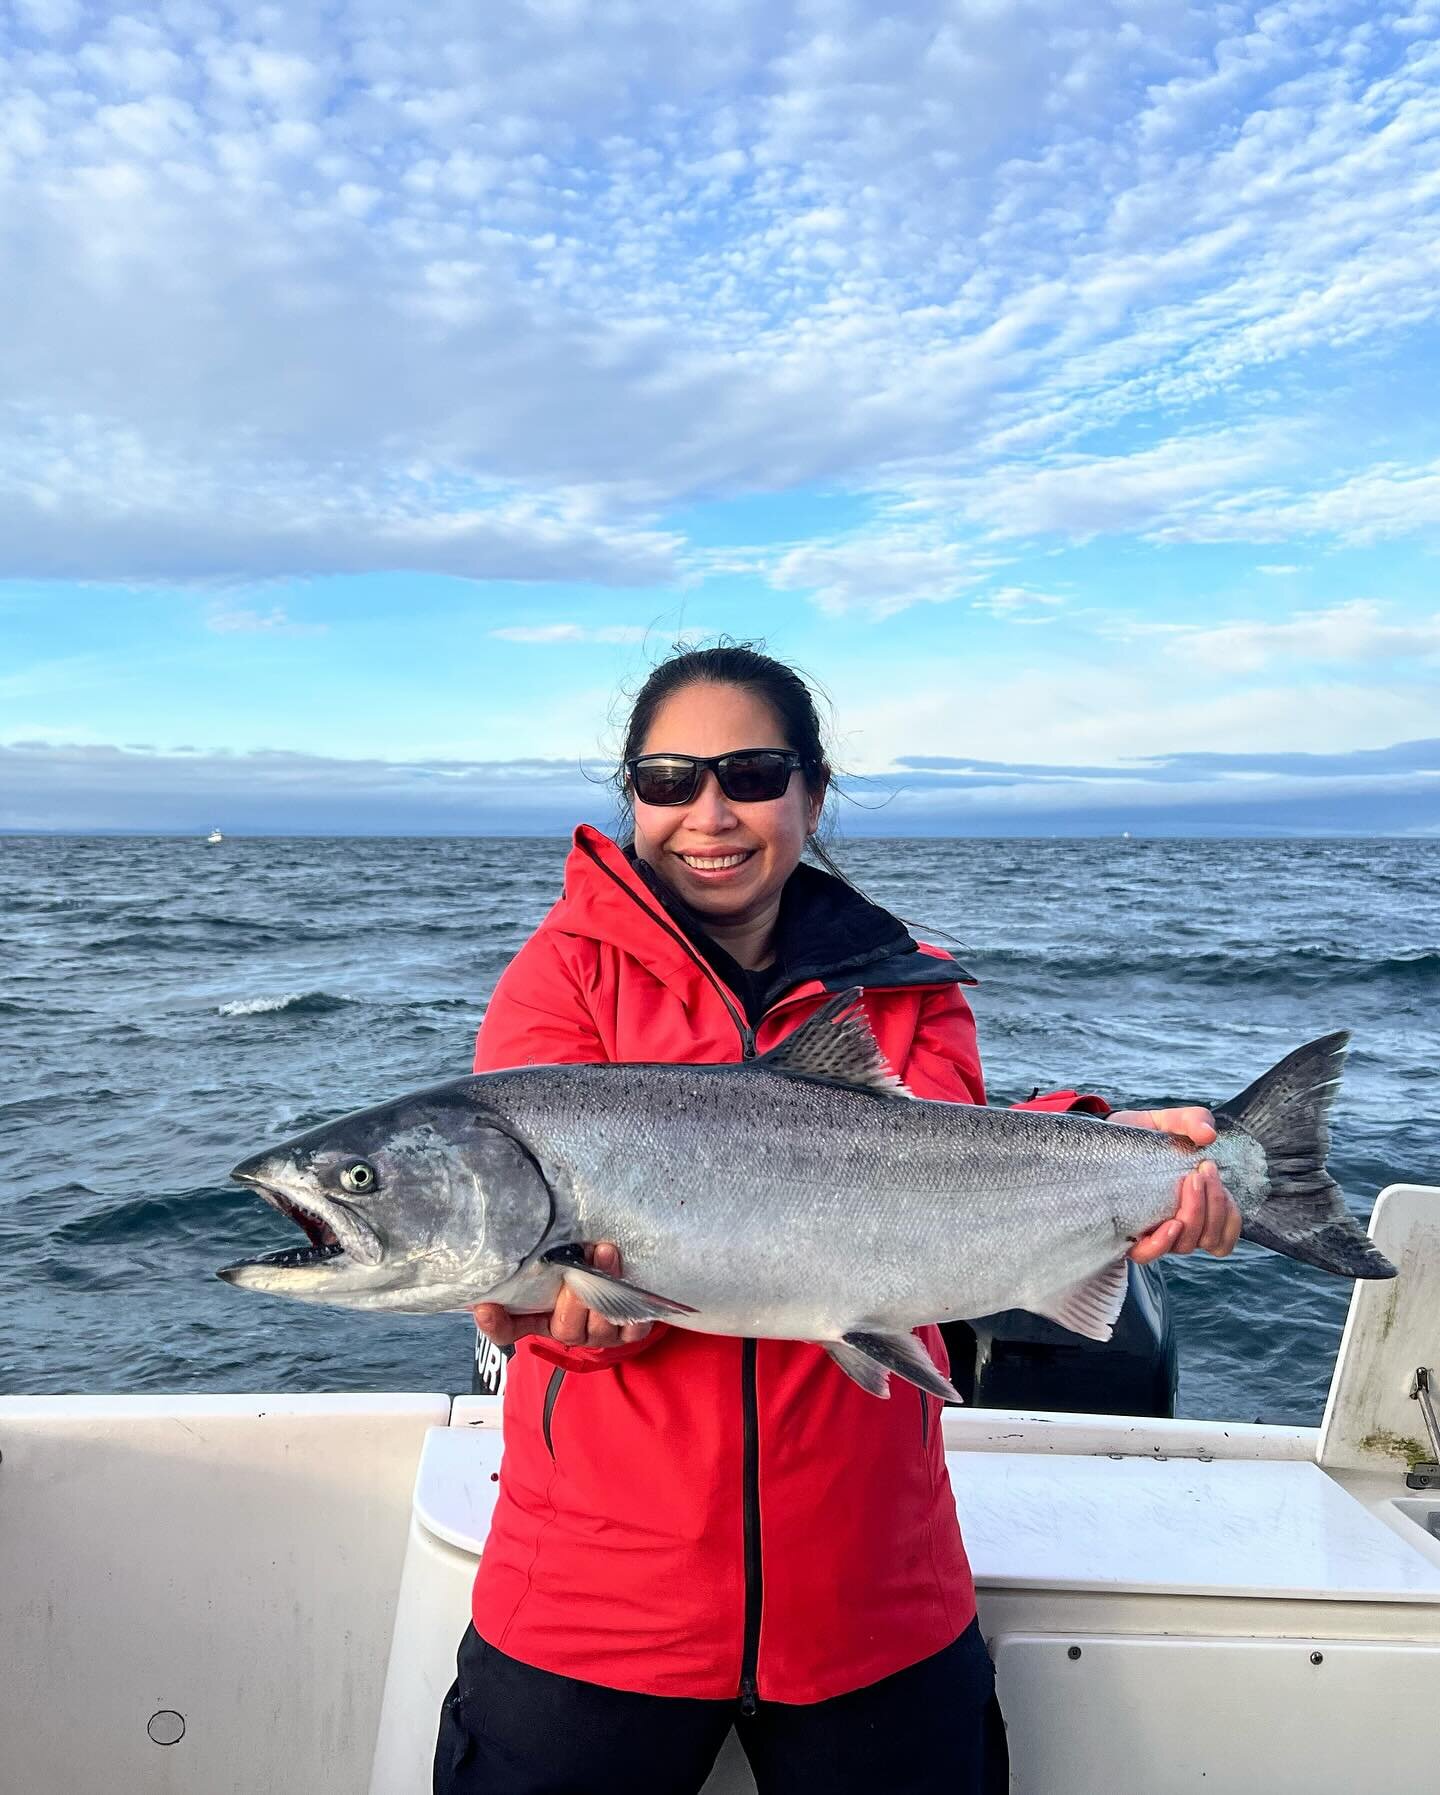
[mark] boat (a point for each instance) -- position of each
(240, 1594)
(214, 836)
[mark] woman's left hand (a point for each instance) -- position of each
(1207, 1217)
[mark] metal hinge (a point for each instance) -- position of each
(1425, 1476)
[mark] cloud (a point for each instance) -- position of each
(1398, 758)
(237, 620)
(1008, 601)
(1080, 496)
(81, 500)
(548, 634)
(1349, 633)
(876, 573)
(1205, 487)
(1115, 709)
(1389, 790)
(96, 787)
(487, 294)
(1385, 501)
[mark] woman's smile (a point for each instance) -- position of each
(713, 864)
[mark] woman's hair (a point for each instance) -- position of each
(736, 664)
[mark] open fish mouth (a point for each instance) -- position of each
(332, 1231)
(325, 1243)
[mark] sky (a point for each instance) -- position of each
(384, 390)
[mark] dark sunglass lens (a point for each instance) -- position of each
(753, 778)
(664, 781)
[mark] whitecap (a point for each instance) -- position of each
(255, 1006)
(300, 1003)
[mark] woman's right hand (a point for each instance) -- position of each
(569, 1323)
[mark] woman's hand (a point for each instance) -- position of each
(1207, 1217)
(569, 1323)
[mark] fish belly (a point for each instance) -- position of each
(810, 1211)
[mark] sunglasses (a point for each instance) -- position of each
(749, 776)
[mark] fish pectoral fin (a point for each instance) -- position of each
(612, 1297)
(1092, 1306)
(835, 1046)
(870, 1358)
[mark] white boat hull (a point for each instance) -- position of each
(206, 1593)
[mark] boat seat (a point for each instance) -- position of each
(1241, 1527)
(1048, 1522)
(1234, 1527)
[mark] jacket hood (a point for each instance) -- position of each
(828, 932)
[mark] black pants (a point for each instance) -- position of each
(509, 1729)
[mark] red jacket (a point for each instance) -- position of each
(696, 1515)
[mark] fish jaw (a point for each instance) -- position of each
(344, 1251)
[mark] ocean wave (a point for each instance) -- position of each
(172, 1214)
(185, 935)
(295, 1003)
(49, 1104)
(1302, 966)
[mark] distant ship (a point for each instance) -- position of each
(214, 836)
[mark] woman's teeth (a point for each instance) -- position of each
(714, 863)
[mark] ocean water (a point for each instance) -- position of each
(167, 1008)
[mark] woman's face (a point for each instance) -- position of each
(726, 860)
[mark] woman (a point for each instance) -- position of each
(695, 1532)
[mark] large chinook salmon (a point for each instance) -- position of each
(803, 1195)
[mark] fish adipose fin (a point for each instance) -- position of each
(608, 1295)
(835, 1046)
(1092, 1306)
(1304, 1215)
(870, 1358)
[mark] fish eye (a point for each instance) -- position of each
(359, 1175)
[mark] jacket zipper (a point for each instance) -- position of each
(750, 1509)
(749, 1398)
(552, 1390)
(750, 1407)
(924, 1418)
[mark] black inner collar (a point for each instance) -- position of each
(825, 930)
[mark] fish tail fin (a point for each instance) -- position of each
(1287, 1110)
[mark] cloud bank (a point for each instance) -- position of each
(100, 788)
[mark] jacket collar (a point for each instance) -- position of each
(828, 932)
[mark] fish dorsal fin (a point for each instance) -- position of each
(835, 1046)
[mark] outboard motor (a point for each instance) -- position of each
(1016, 1360)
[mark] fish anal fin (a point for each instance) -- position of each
(1092, 1306)
(859, 1366)
(835, 1046)
(870, 1358)
(613, 1297)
